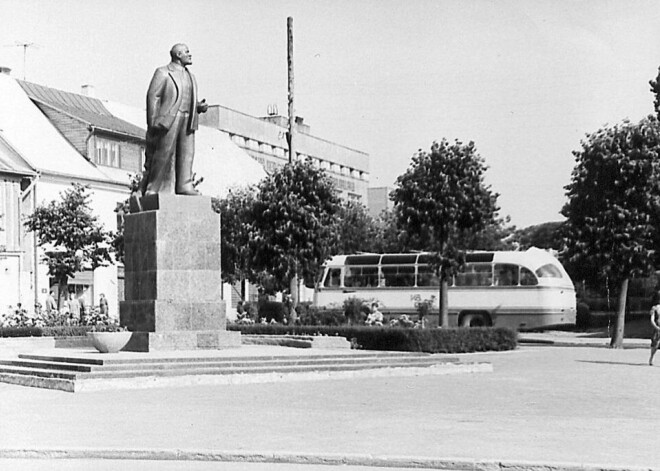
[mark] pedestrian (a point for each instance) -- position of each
(655, 323)
(51, 305)
(103, 305)
(74, 308)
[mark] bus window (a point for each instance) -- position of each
(332, 278)
(506, 274)
(427, 276)
(548, 271)
(358, 277)
(527, 278)
(475, 274)
(398, 275)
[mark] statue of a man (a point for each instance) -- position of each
(172, 119)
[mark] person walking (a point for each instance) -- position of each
(655, 323)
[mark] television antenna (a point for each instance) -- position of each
(25, 46)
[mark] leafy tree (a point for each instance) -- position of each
(440, 200)
(70, 234)
(389, 236)
(613, 208)
(543, 236)
(358, 231)
(294, 219)
(237, 225)
(655, 89)
(497, 235)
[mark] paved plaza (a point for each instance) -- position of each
(541, 405)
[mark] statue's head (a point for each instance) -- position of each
(181, 54)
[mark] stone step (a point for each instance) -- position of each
(98, 359)
(72, 371)
(223, 363)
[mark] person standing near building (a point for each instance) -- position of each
(103, 305)
(51, 305)
(172, 119)
(74, 308)
(655, 323)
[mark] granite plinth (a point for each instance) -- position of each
(183, 340)
(172, 274)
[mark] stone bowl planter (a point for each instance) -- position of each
(110, 342)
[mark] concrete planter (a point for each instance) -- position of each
(110, 342)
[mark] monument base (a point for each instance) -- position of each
(183, 340)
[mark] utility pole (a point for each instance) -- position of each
(292, 119)
(293, 285)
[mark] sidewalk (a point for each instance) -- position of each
(577, 339)
(541, 408)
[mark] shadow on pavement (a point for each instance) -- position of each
(613, 363)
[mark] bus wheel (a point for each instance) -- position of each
(475, 320)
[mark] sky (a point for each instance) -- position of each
(526, 80)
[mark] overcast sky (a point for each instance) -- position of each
(525, 80)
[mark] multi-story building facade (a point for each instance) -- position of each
(265, 139)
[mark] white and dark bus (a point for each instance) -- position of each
(520, 290)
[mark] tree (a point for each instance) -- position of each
(543, 236)
(71, 236)
(440, 200)
(294, 217)
(236, 215)
(655, 89)
(613, 208)
(357, 230)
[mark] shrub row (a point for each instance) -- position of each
(57, 331)
(452, 340)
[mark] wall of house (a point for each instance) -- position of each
(14, 282)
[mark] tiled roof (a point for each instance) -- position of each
(86, 109)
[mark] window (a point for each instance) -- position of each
(506, 274)
(107, 153)
(357, 277)
(397, 275)
(475, 274)
(427, 276)
(527, 278)
(548, 271)
(333, 278)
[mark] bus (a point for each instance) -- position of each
(520, 290)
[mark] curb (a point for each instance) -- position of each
(568, 343)
(331, 459)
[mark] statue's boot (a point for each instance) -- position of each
(184, 180)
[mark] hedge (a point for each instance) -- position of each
(451, 340)
(57, 331)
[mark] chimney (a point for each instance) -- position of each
(5, 70)
(88, 90)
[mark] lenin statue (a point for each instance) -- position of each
(172, 119)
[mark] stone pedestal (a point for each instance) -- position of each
(172, 276)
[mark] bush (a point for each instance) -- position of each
(452, 340)
(270, 310)
(66, 330)
(310, 315)
(356, 310)
(21, 332)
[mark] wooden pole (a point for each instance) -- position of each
(293, 285)
(292, 119)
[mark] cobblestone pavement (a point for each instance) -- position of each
(545, 405)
